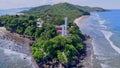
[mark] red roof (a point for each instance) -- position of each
(59, 31)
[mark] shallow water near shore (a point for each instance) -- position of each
(104, 28)
(13, 55)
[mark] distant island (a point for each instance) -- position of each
(43, 25)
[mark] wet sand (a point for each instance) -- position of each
(89, 49)
(87, 62)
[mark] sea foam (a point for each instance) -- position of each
(10, 52)
(102, 22)
(105, 66)
(107, 35)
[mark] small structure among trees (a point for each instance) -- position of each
(62, 29)
(39, 22)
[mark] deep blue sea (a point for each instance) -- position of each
(104, 28)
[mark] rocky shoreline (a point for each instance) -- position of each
(87, 61)
(12, 43)
(22, 45)
(89, 50)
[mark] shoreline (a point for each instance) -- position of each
(19, 41)
(79, 19)
(14, 36)
(87, 62)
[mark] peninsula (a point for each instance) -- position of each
(43, 26)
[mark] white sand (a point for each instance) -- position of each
(78, 20)
(107, 35)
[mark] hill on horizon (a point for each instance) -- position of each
(84, 8)
(57, 12)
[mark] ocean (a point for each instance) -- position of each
(11, 11)
(9, 55)
(104, 29)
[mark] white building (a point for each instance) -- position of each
(39, 22)
(64, 28)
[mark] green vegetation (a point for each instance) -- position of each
(54, 48)
(48, 43)
(19, 24)
(55, 14)
(90, 9)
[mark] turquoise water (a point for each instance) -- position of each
(104, 28)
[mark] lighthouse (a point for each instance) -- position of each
(63, 30)
(66, 25)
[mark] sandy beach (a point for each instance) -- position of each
(104, 31)
(79, 19)
(87, 62)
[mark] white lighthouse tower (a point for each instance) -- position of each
(64, 28)
(66, 25)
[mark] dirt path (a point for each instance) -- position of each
(64, 56)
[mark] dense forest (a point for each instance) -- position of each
(56, 13)
(48, 43)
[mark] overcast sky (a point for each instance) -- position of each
(109, 4)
